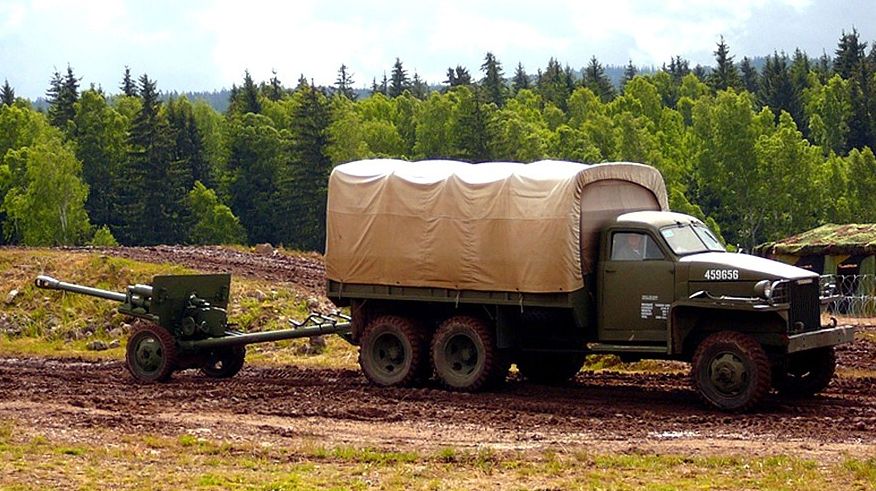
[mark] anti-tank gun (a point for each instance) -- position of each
(185, 325)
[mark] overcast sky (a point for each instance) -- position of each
(204, 45)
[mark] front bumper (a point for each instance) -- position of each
(831, 336)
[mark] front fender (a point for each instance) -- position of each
(694, 317)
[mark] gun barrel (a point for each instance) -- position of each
(49, 283)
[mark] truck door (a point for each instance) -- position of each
(636, 288)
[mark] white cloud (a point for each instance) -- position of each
(662, 29)
(12, 17)
(202, 44)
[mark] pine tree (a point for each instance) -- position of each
(302, 82)
(344, 83)
(419, 88)
(458, 76)
(823, 68)
(493, 82)
(678, 68)
(630, 72)
(247, 100)
(128, 86)
(233, 95)
(725, 75)
(553, 86)
(100, 133)
(799, 73)
(749, 75)
(62, 95)
(569, 79)
(7, 95)
(776, 90)
(54, 90)
(400, 80)
(256, 153)
(596, 80)
(303, 186)
(153, 195)
(188, 146)
(849, 54)
(521, 79)
(274, 90)
(852, 64)
(471, 132)
(700, 72)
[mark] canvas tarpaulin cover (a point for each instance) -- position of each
(495, 226)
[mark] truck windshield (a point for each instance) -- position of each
(690, 239)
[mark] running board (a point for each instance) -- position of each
(626, 348)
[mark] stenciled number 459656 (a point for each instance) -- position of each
(722, 274)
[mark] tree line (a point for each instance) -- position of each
(757, 153)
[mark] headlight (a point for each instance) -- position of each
(763, 289)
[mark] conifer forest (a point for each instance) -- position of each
(758, 148)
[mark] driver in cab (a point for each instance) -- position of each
(628, 247)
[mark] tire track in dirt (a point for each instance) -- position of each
(626, 406)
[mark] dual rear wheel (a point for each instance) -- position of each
(395, 351)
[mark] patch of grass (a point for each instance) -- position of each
(5, 431)
(613, 363)
(71, 450)
(372, 456)
(863, 471)
(29, 346)
(190, 462)
(187, 440)
(447, 455)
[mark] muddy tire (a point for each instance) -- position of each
(224, 362)
(464, 354)
(392, 351)
(549, 368)
(806, 373)
(731, 371)
(151, 354)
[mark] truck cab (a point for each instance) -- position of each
(666, 287)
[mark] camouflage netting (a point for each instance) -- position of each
(830, 239)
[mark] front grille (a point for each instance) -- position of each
(805, 311)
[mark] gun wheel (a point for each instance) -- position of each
(151, 354)
(731, 371)
(224, 362)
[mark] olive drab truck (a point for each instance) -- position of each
(456, 271)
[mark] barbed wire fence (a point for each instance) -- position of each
(856, 299)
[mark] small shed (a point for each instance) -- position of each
(844, 250)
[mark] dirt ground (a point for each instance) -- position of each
(606, 411)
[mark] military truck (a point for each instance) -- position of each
(459, 270)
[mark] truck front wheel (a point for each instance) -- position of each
(807, 373)
(731, 371)
(464, 353)
(392, 351)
